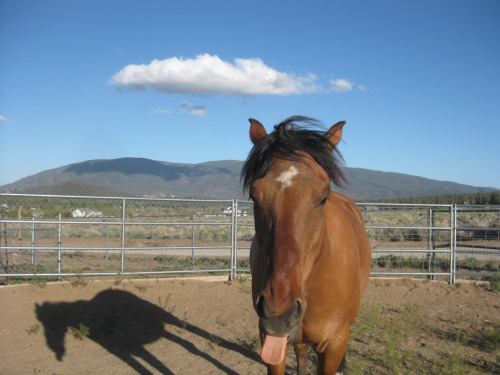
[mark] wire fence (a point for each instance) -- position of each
(57, 237)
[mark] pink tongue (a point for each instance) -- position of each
(273, 349)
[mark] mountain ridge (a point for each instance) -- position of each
(217, 179)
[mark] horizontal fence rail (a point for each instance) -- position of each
(57, 237)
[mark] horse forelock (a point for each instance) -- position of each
(290, 140)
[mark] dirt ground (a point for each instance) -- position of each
(186, 326)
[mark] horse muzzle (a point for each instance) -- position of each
(286, 324)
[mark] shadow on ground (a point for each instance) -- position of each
(123, 324)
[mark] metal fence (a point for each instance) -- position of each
(435, 241)
(57, 237)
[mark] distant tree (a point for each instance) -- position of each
(492, 198)
(495, 197)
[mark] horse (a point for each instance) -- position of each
(310, 256)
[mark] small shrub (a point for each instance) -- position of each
(216, 340)
(40, 281)
(79, 280)
(141, 288)
(491, 339)
(243, 263)
(243, 279)
(34, 328)
(492, 265)
(250, 342)
(495, 283)
(74, 254)
(81, 332)
(118, 279)
(469, 263)
(245, 289)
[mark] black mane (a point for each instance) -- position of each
(288, 139)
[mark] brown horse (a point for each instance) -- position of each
(310, 257)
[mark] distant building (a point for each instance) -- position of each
(229, 210)
(85, 212)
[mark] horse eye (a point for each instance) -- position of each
(323, 202)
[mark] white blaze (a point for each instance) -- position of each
(286, 177)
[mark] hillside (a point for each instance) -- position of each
(79, 188)
(369, 184)
(215, 179)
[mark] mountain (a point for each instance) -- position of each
(215, 179)
(142, 177)
(367, 184)
(77, 188)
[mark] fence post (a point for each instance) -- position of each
(33, 242)
(455, 218)
(106, 254)
(6, 244)
(234, 233)
(59, 227)
(453, 238)
(192, 243)
(431, 256)
(19, 217)
(123, 236)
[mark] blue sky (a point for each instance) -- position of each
(418, 82)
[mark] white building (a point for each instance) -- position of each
(229, 210)
(85, 212)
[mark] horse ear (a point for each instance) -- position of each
(257, 130)
(335, 133)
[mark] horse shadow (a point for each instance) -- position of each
(123, 324)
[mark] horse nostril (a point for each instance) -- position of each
(301, 306)
(259, 305)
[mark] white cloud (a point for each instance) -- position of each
(2, 118)
(341, 85)
(164, 111)
(207, 74)
(194, 109)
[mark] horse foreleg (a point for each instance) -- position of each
(277, 369)
(342, 367)
(331, 360)
(301, 354)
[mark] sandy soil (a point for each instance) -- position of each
(185, 326)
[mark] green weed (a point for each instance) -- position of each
(79, 280)
(73, 254)
(34, 328)
(250, 342)
(243, 279)
(216, 340)
(490, 339)
(41, 281)
(118, 279)
(81, 332)
(395, 338)
(495, 283)
(454, 363)
(413, 315)
(246, 289)
(141, 288)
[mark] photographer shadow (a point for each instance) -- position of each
(123, 324)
